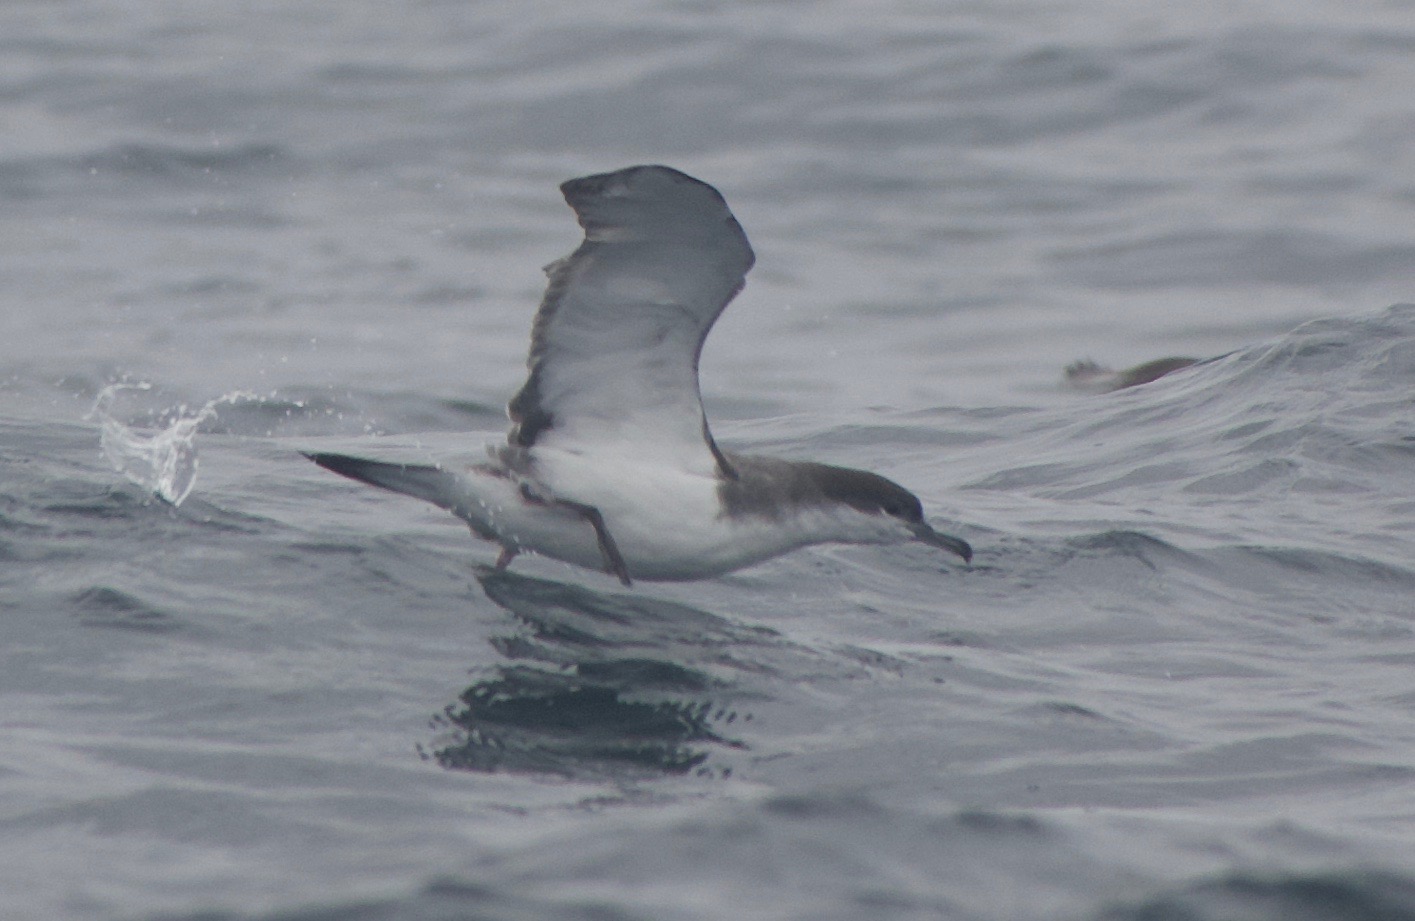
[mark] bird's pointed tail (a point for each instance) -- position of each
(430, 483)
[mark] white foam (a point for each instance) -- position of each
(164, 459)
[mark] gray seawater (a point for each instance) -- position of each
(1178, 681)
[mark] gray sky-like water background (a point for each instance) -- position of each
(1178, 681)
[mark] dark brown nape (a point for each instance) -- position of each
(771, 487)
(867, 492)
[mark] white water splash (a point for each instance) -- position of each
(164, 460)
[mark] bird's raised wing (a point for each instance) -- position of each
(615, 345)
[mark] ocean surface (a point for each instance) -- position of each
(1176, 684)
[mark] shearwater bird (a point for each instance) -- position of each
(609, 463)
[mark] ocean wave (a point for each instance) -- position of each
(1322, 407)
(1354, 895)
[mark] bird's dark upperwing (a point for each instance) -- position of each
(615, 345)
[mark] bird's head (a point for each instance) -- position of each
(898, 514)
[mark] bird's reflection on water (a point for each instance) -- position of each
(606, 684)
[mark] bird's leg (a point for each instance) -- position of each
(504, 560)
(613, 562)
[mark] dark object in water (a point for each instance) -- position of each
(1088, 375)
